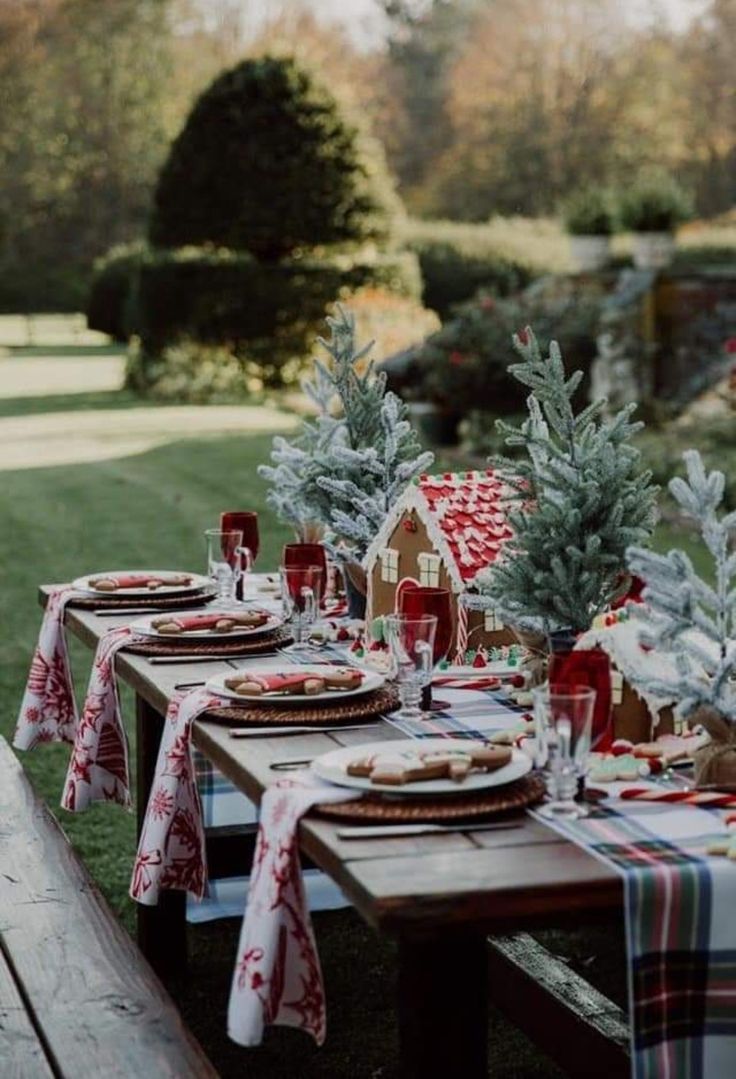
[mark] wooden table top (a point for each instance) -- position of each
(496, 880)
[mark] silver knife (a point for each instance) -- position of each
(387, 831)
(124, 612)
(273, 731)
(200, 658)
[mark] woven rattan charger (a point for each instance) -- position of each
(255, 645)
(490, 803)
(368, 706)
(157, 603)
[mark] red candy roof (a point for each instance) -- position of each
(468, 508)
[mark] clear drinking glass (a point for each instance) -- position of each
(227, 560)
(563, 716)
(301, 588)
(411, 644)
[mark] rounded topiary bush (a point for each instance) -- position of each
(267, 163)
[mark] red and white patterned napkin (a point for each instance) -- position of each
(48, 712)
(171, 849)
(277, 977)
(98, 767)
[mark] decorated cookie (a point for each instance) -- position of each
(343, 678)
(603, 768)
(257, 685)
(121, 581)
(215, 622)
(401, 769)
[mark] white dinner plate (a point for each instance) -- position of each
(198, 582)
(332, 767)
(371, 681)
(144, 626)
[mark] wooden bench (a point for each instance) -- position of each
(566, 1017)
(77, 998)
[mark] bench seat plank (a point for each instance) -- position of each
(21, 1054)
(97, 1003)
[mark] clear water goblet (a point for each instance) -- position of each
(411, 650)
(301, 588)
(563, 716)
(227, 560)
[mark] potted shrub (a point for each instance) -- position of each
(590, 221)
(652, 209)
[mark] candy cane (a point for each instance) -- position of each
(709, 799)
(471, 682)
(461, 646)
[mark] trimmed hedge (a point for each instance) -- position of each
(457, 260)
(111, 295)
(267, 313)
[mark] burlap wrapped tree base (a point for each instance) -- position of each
(715, 764)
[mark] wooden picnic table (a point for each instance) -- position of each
(439, 896)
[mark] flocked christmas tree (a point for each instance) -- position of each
(688, 617)
(345, 468)
(580, 501)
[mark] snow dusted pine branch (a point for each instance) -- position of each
(346, 468)
(685, 615)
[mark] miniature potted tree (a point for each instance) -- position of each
(581, 500)
(694, 621)
(652, 209)
(345, 468)
(590, 220)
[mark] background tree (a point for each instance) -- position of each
(81, 136)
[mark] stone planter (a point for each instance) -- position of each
(590, 253)
(653, 250)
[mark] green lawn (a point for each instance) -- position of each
(142, 510)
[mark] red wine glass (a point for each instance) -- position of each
(306, 555)
(588, 667)
(416, 600)
(246, 522)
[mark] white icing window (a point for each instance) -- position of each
(389, 565)
(429, 570)
(617, 687)
(491, 622)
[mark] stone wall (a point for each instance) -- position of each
(662, 335)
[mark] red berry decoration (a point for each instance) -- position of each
(480, 659)
(342, 634)
(409, 525)
(517, 681)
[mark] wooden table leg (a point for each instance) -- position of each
(162, 929)
(443, 1005)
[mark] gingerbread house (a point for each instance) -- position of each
(440, 533)
(637, 716)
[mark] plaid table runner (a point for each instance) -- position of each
(680, 932)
